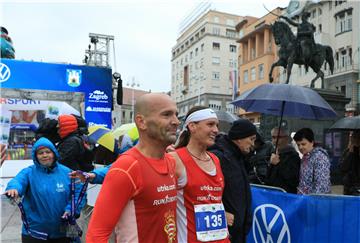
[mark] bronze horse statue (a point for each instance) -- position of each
(290, 52)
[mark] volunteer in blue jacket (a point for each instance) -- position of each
(45, 189)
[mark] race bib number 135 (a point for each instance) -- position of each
(210, 222)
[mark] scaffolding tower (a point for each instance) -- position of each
(99, 54)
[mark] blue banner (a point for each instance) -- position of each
(94, 82)
(283, 218)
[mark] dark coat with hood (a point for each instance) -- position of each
(286, 173)
(72, 147)
(237, 195)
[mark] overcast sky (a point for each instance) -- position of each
(144, 31)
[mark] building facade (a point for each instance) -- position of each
(337, 25)
(257, 52)
(124, 113)
(204, 63)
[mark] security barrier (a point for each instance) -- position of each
(289, 218)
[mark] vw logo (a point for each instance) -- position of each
(269, 225)
(4, 72)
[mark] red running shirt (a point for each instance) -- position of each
(201, 188)
(138, 199)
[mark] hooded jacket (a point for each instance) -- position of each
(237, 195)
(45, 192)
(73, 153)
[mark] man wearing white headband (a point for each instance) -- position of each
(200, 180)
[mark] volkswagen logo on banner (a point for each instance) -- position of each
(4, 72)
(269, 225)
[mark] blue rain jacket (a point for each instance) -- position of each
(100, 174)
(46, 193)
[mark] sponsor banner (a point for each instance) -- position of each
(289, 218)
(94, 82)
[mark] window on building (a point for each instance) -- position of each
(343, 22)
(252, 53)
(216, 60)
(320, 11)
(201, 62)
(246, 77)
(215, 104)
(343, 89)
(216, 19)
(232, 48)
(202, 31)
(215, 76)
(216, 46)
(261, 71)
(320, 28)
(232, 63)
(216, 31)
(253, 73)
(343, 58)
(196, 51)
(202, 47)
(231, 33)
(230, 22)
(313, 13)
(241, 33)
(349, 22)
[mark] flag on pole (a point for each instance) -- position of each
(234, 83)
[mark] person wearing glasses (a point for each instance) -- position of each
(284, 164)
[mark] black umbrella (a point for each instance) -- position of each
(285, 100)
(347, 124)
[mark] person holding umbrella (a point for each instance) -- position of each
(350, 165)
(315, 164)
(284, 165)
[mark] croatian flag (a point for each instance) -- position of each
(234, 83)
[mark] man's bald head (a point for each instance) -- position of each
(147, 103)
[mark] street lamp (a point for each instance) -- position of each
(132, 85)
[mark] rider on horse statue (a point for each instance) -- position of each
(305, 36)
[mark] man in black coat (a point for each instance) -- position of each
(231, 150)
(284, 166)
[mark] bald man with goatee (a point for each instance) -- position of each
(138, 197)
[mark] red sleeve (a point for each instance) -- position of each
(121, 183)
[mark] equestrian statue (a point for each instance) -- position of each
(300, 49)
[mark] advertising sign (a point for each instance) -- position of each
(94, 82)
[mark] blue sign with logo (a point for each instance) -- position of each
(290, 218)
(94, 82)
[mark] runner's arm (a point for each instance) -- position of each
(119, 186)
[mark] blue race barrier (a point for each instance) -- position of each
(288, 218)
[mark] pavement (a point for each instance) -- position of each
(10, 222)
